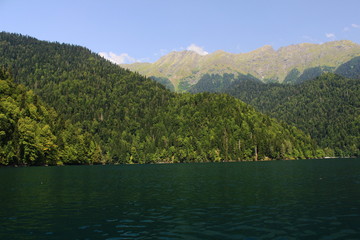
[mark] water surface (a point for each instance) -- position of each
(307, 199)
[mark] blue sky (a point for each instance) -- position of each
(144, 30)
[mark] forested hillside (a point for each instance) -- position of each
(350, 69)
(136, 120)
(220, 83)
(294, 76)
(33, 134)
(328, 107)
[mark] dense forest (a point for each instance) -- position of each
(294, 76)
(219, 83)
(350, 69)
(33, 134)
(327, 108)
(164, 81)
(132, 119)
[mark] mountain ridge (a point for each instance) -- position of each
(264, 63)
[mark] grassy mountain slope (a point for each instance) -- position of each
(264, 63)
(137, 120)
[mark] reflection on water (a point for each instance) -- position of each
(253, 200)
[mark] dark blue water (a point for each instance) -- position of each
(308, 199)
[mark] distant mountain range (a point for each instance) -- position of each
(290, 64)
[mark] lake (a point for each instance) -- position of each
(312, 199)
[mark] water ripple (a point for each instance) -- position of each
(274, 200)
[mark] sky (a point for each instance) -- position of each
(144, 30)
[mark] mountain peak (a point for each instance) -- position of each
(179, 56)
(340, 44)
(265, 48)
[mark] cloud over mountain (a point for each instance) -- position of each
(197, 49)
(118, 59)
(330, 35)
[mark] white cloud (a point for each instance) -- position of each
(355, 25)
(197, 49)
(346, 29)
(330, 35)
(118, 59)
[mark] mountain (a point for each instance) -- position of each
(327, 107)
(136, 120)
(350, 69)
(186, 68)
(220, 83)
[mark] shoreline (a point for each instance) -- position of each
(160, 163)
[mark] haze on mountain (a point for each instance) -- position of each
(185, 68)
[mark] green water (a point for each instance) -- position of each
(308, 199)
